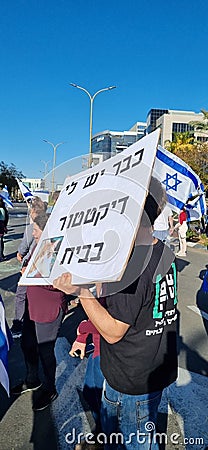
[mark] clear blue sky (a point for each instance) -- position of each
(155, 52)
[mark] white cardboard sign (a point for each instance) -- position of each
(92, 227)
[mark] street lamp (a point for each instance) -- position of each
(45, 167)
(91, 97)
(54, 160)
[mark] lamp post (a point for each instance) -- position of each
(54, 160)
(91, 97)
(45, 167)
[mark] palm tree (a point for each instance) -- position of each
(201, 125)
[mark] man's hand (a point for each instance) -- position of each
(19, 257)
(63, 283)
(78, 346)
(111, 329)
(74, 302)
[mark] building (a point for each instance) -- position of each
(173, 121)
(109, 143)
(34, 184)
(152, 117)
(140, 128)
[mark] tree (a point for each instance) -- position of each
(199, 160)
(181, 141)
(201, 125)
(193, 154)
(8, 175)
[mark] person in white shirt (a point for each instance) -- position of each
(163, 225)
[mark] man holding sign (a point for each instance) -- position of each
(138, 334)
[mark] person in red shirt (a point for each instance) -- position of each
(182, 228)
(43, 315)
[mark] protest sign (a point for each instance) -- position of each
(92, 227)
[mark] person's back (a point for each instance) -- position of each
(138, 334)
(149, 306)
(182, 217)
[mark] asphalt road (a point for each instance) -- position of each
(193, 307)
(22, 429)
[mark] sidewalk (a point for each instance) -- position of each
(183, 410)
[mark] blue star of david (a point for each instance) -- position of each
(173, 184)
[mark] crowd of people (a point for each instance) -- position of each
(134, 330)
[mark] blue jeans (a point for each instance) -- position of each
(93, 385)
(131, 419)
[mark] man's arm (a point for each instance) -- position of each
(26, 241)
(170, 218)
(111, 329)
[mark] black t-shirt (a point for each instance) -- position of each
(145, 359)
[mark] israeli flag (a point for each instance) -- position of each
(4, 194)
(183, 186)
(26, 193)
(5, 343)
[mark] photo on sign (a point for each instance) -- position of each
(45, 259)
